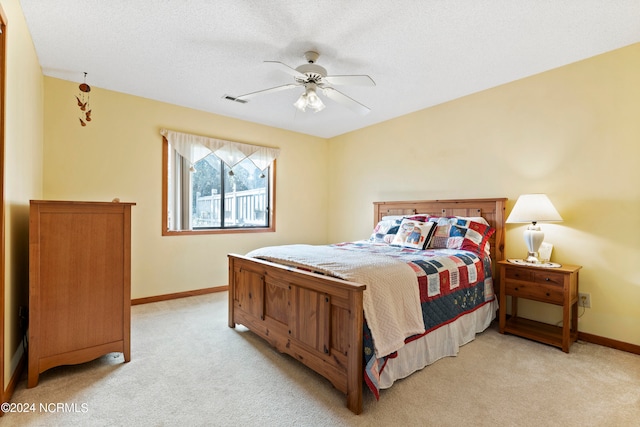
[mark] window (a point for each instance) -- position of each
(203, 194)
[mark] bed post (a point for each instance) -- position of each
(232, 285)
(355, 369)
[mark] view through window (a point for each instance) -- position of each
(209, 196)
(222, 197)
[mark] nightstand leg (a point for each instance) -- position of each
(574, 319)
(502, 311)
(566, 327)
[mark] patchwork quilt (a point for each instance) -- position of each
(451, 283)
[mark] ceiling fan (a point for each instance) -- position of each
(314, 78)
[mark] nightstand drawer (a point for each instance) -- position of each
(546, 278)
(518, 274)
(546, 293)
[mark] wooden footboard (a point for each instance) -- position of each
(316, 319)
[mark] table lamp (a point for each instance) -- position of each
(533, 208)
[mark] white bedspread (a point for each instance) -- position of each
(392, 298)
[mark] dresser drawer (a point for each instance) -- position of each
(537, 291)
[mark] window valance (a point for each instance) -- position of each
(196, 147)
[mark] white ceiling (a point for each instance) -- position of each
(420, 53)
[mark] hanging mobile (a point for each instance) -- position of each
(83, 102)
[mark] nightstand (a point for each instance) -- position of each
(558, 286)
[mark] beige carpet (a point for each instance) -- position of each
(189, 369)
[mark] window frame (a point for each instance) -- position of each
(230, 230)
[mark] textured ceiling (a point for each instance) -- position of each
(420, 53)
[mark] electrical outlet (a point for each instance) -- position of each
(584, 300)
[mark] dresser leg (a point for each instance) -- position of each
(32, 379)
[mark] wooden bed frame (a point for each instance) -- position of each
(318, 319)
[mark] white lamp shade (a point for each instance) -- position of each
(533, 208)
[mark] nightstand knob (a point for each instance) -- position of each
(546, 279)
(548, 294)
(515, 289)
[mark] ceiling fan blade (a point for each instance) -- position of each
(284, 67)
(354, 80)
(343, 99)
(247, 96)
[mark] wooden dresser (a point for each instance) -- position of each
(79, 283)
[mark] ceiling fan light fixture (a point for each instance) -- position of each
(301, 103)
(314, 101)
(309, 99)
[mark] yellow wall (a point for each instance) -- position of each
(119, 155)
(23, 170)
(573, 133)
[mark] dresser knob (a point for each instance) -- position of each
(546, 279)
(548, 294)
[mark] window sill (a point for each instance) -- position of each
(218, 231)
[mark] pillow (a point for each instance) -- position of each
(441, 233)
(481, 220)
(386, 229)
(414, 234)
(469, 235)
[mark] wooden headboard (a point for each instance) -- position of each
(493, 210)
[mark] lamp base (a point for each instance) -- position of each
(532, 258)
(533, 238)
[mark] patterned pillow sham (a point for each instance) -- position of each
(446, 236)
(414, 234)
(441, 233)
(469, 235)
(386, 229)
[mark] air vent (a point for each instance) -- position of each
(233, 98)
